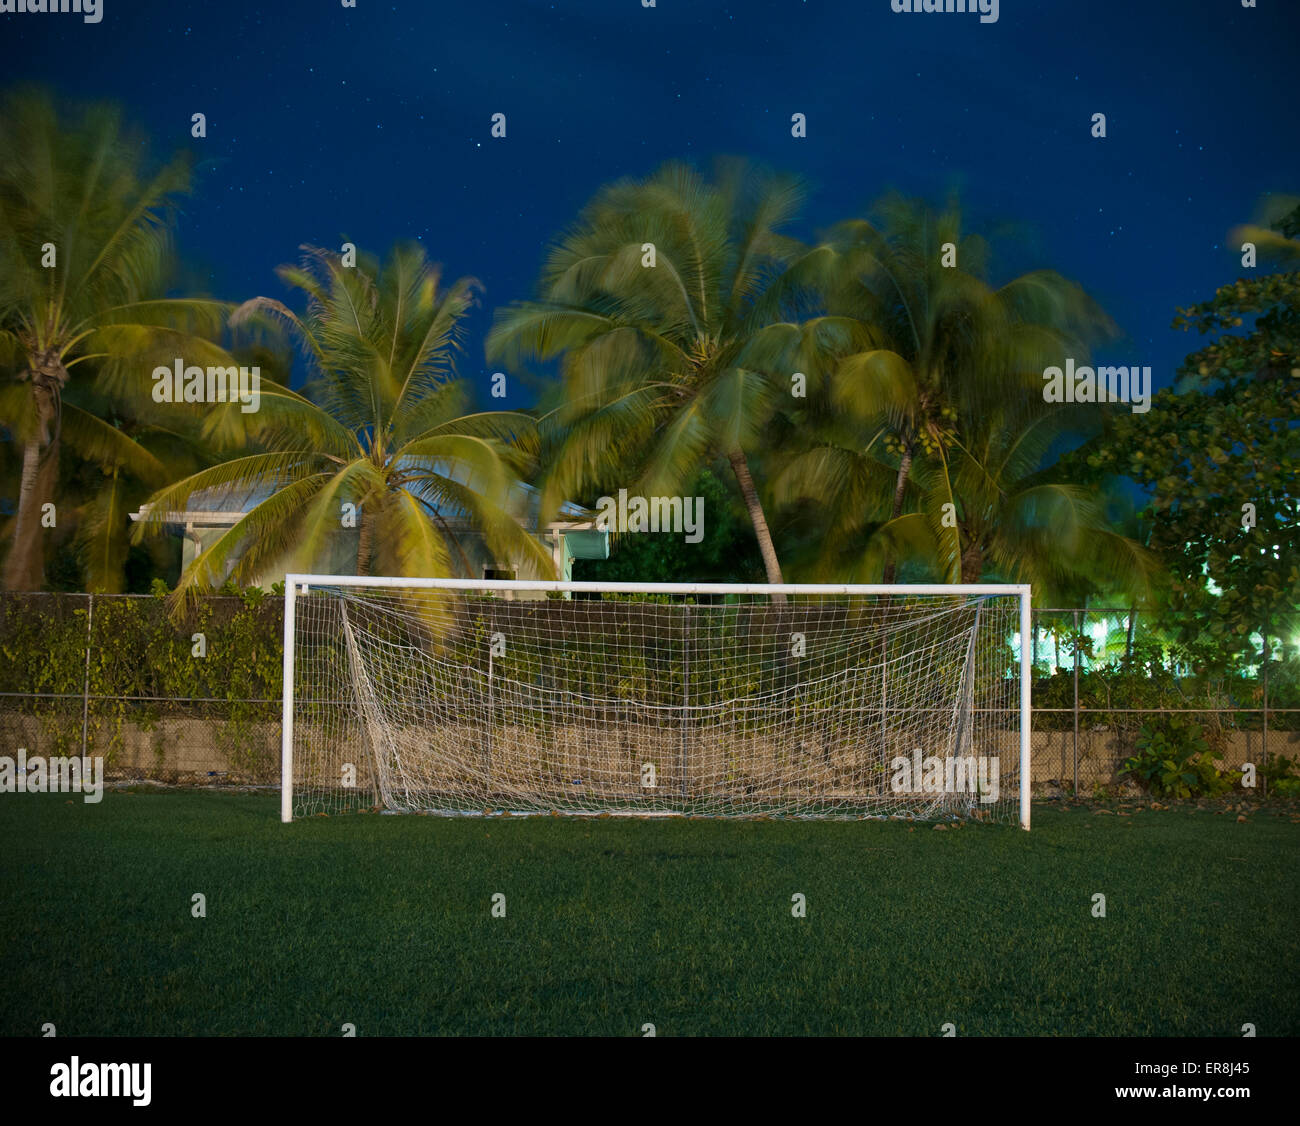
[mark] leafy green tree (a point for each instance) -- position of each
(665, 307)
(381, 426)
(1219, 455)
(85, 255)
(727, 553)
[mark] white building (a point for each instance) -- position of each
(211, 512)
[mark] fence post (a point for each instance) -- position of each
(85, 683)
(1264, 674)
(1076, 703)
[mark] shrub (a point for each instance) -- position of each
(1175, 759)
(1280, 773)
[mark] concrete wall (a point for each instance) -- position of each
(207, 750)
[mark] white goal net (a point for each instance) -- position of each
(442, 696)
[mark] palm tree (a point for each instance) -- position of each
(85, 251)
(665, 304)
(98, 494)
(1016, 518)
(380, 426)
(989, 503)
(944, 346)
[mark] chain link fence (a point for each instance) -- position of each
(1102, 675)
(191, 701)
(197, 701)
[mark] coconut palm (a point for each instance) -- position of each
(667, 308)
(944, 347)
(988, 505)
(98, 495)
(1015, 518)
(380, 426)
(85, 253)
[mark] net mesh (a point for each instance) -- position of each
(429, 700)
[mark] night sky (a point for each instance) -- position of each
(373, 123)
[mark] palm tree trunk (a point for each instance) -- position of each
(23, 569)
(25, 565)
(900, 485)
(900, 490)
(363, 544)
(972, 563)
(750, 494)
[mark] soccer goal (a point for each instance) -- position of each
(459, 697)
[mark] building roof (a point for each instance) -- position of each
(224, 506)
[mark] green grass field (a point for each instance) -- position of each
(384, 922)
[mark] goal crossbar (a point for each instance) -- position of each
(556, 587)
(299, 585)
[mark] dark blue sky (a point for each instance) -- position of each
(373, 123)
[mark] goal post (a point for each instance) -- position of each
(457, 696)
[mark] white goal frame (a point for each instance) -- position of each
(295, 584)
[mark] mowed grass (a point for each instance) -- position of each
(384, 923)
